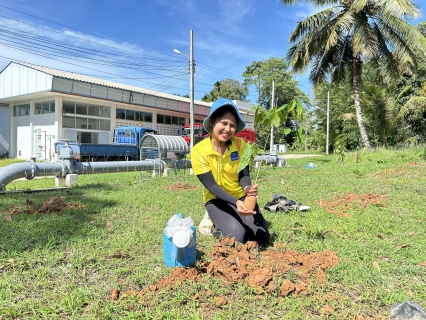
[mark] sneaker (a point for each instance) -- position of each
(206, 225)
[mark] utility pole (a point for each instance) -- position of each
(191, 86)
(328, 122)
(191, 89)
(271, 143)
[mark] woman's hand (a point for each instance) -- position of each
(251, 190)
(242, 210)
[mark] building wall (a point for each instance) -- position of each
(4, 128)
(34, 135)
(18, 80)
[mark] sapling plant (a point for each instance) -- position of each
(266, 118)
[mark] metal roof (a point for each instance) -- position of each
(112, 84)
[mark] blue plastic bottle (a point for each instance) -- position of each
(179, 257)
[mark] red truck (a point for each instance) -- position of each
(247, 133)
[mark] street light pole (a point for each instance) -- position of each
(328, 121)
(271, 142)
(191, 86)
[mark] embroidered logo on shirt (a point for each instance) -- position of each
(234, 156)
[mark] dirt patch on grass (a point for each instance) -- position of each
(271, 271)
(415, 164)
(343, 204)
(291, 172)
(393, 171)
(53, 205)
(180, 186)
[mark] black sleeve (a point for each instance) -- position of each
(208, 181)
(244, 177)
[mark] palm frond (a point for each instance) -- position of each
(311, 24)
(403, 9)
(364, 39)
(415, 104)
(348, 117)
(385, 61)
(318, 72)
(358, 5)
(342, 60)
(341, 25)
(403, 91)
(402, 34)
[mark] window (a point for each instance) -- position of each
(81, 109)
(84, 109)
(45, 107)
(120, 113)
(130, 115)
(93, 124)
(104, 125)
(81, 123)
(68, 107)
(164, 119)
(68, 122)
(21, 110)
(104, 112)
(147, 117)
(160, 118)
(93, 110)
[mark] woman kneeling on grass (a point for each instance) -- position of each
(215, 160)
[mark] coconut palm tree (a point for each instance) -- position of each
(338, 40)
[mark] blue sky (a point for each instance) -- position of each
(132, 41)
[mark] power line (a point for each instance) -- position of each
(46, 47)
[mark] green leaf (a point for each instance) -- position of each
(286, 130)
(245, 157)
(250, 151)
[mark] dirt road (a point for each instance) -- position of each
(301, 155)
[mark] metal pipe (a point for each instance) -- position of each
(30, 169)
(182, 164)
(269, 159)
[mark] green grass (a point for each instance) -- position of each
(64, 266)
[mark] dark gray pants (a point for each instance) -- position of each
(229, 223)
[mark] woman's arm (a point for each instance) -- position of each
(244, 178)
(208, 181)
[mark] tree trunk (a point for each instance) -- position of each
(356, 80)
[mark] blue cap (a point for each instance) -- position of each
(219, 103)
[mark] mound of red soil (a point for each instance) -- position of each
(53, 205)
(266, 271)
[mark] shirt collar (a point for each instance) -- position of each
(231, 148)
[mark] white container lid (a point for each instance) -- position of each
(180, 238)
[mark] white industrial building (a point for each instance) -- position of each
(40, 105)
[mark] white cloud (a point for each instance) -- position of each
(68, 36)
(304, 11)
(233, 11)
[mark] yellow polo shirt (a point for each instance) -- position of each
(224, 169)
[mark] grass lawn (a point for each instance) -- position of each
(94, 251)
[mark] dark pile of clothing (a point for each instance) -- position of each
(280, 202)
